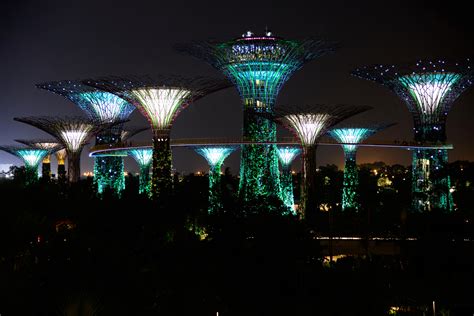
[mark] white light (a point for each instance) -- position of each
(429, 90)
(75, 139)
(309, 126)
(160, 105)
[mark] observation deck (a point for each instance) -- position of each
(121, 149)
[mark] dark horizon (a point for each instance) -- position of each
(54, 40)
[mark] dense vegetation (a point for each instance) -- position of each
(63, 251)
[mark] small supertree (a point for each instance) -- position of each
(50, 145)
(350, 137)
(215, 156)
(61, 156)
(160, 100)
(143, 157)
(428, 88)
(258, 66)
(31, 158)
(309, 124)
(102, 107)
(71, 132)
(287, 154)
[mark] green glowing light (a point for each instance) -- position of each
(215, 156)
(143, 157)
(431, 182)
(350, 198)
(286, 155)
(104, 106)
(109, 174)
(31, 157)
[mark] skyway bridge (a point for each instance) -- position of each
(121, 149)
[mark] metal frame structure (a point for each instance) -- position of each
(160, 99)
(143, 157)
(31, 158)
(103, 107)
(71, 132)
(61, 156)
(429, 89)
(50, 145)
(258, 66)
(309, 124)
(286, 155)
(215, 156)
(352, 135)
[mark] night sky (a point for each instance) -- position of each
(56, 40)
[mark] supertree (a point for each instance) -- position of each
(71, 132)
(258, 66)
(31, 158)
(50, 145)
(61, 156)
(160, 100)
(309, 124)
(287, 154)
(428, 88)
(143, 157)
(103, 107)
(215, 156)
(350, 137)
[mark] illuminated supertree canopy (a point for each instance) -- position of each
(31, 157)
(258, 66)
(287, 154)
(98, 105)
(103, 107)
(429, 89)
(50, 145)
(143, 157)
(309, 124)
(160, 100)
(350, 137)
(71, 132)
(215, 156)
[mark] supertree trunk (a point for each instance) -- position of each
(31, 174)
(351, 182)
(287, 188)
(109, 174)
(308, 199)
(215, 196)
(62, 176)
(74, 167)
(161, 181)
(144, 185)
(259, 174)
(46, 167)
(430, 181)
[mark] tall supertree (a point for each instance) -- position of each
(31, 158)
(428, 88)
(103, 107)
(143, 157)
(50, 145)
(160, 100)
(61, 156)
(287, 154)
(350, 137)
(309, 124)
(215, 156)
(71, 132)
(258, 66)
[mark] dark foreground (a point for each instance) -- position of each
(65, 252)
